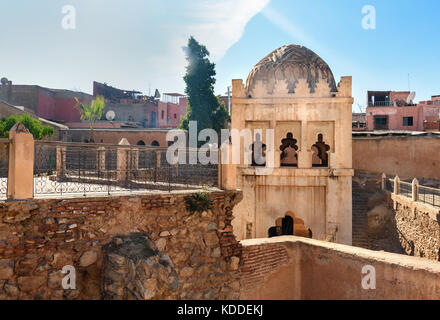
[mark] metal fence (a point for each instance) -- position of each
(405, 189)
(423, 194)
(4, 167)
(71, 168)
(389, 185)
(429, 196)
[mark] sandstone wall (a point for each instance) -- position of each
(38, 237)
(405, 156)
(298, 268)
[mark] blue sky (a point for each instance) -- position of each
(135, 44)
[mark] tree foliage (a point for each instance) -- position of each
(91, 112)
(35, 126)
(203, 105)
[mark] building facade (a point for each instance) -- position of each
(389, 110)
(307, 176)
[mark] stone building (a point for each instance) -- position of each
(293, 91)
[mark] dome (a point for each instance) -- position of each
(290, 63)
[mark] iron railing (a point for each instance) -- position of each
(423, 194)
(405, 189)
(72, 168)
(429, 196)
(4, 167)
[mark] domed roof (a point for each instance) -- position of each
(291, 63)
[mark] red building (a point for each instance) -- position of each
(388, 110)
(51, 104)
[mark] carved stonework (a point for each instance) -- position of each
(290, 63)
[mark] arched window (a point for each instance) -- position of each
(289, 155)
(155, 144)
(140, 143)
(320, 152)
(289, 226)
(258, 149)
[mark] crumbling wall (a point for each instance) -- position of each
(418, 227)
(39, 237)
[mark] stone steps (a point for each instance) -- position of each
(359, 218)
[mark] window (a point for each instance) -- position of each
(163, 114)
(175, 116)
(381, 122)
(408, 121)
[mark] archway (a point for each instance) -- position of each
(155, 144)
(289, 225)
(140, 143)
(258, 149)
(289, 155)
(320, 155)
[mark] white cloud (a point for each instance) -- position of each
(216, 24)
(220, 24)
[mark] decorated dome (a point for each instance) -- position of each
(290, 63)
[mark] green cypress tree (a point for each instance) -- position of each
(203, 105)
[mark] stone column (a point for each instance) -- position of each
(101, 161)
(396, 185)
(227, 170)
(158, 159)
(415, 191)
(383, 182)
(21, 163)
(61, 161)
(122, 165)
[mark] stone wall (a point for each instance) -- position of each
(310, 269)
(405, 156)
(38, 237)
(418, 226)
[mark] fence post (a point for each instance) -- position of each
(61, 161)
(121, 169)
(396, 185)
(384, 178)
(158, 159)
(415, 190)
(101, 161)
(21, 163)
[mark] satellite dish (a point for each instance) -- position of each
(4, 81)
(110, 115)
(410, 98)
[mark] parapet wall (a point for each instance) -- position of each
(405, 156)
(297, 268)
(39, 237)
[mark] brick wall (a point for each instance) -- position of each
(258, 263)
(39, 237)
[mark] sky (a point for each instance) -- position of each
(137, 44)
